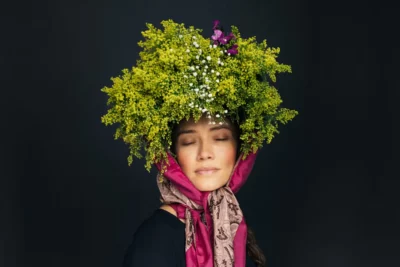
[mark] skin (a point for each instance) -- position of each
(203, 145)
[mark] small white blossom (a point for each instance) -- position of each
(225, 111)
(209, 95)
(204, 110)
(171, 49)
(222, 63)
(212, 71)
(217, 81)
(204, 74)
(194, 37)
(206, 66)
(197, 57)
(208, 58)
(210, 46)
(194, 74)
(203, 61)
(215, 46)
(217, 73)
(180, 36)
(220, 122)
(196, 89)
(217, 116)
(185, 76)
(213, 122)
(187, 51)
(197, 67)
(190, 84)
(229, 54)
(196, 106)
(221, 52)
(225, 51)
(200, 51)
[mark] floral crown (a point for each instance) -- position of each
(181, 74)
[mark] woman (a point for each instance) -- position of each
(200, 108)
(206, 154)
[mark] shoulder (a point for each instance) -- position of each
(159, 225)
(158, 241)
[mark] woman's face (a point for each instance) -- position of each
(206, 153)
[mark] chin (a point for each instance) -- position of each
(206, 186)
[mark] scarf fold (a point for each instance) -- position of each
(215, 229)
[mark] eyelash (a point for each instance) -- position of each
(218, 139)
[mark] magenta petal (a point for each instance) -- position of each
(217, 35)
(216, 23)
(233, 50)
(230, 37)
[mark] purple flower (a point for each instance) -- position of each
(219, 38)
(233, 50)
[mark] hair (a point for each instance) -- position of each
(252, 248)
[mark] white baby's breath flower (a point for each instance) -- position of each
(212, 71)
(209, 95)
(197, 67)
(194, 37)
(185, 76)
(197, 57)
(187, 51)
(217, 116)
(206, 66)
(210, 46)
(221, 52)
(229, 54)
(217, 80)
(208, 58)
(204, 74)
(196, 89)
(217, 73)
(180, 36)
(225, 111)
(215, 46)
(190, 84)
(203, 61)
(222, 63)
(194, 74)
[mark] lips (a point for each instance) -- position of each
(204, 171)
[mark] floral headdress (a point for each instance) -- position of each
(181, 74)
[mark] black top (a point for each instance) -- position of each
(159, 241)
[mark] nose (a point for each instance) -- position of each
(205, 151)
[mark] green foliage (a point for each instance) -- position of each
(167, 85)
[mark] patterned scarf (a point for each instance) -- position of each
(216, 231)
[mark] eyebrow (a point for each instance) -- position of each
(215, 128)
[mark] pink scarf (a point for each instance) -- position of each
(216, 232)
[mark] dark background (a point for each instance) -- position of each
(323, 193)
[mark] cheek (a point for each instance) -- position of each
(186, 158)
(227, 155)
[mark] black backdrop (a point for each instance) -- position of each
(324, 193)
